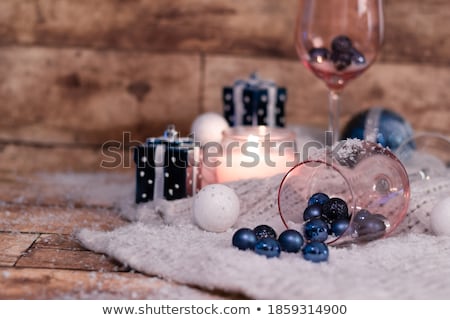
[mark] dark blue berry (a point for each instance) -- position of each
(244, 239)
(338, 227)
(316, 230)
(341, 44)
(291, 240)
(357, 57)
(319, 55)
(315, 252)
(361, 215)
(370, 229)
(313, 211)
(341, 60)
(334, 209)
(318, 198)
(268, 247)
(264, 231)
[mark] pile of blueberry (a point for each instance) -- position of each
(342, 53)
(324, 217)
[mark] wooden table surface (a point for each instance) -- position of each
(40, 258)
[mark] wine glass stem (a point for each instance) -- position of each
(334, 106)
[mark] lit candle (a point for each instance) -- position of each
(255, 152)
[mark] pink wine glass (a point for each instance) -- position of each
(338, 40)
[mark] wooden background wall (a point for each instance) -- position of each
(75, 73)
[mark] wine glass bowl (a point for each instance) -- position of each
(337, 40)
(368, 177)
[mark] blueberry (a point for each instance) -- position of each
(341, 44)
(291, 241)
(316, 230)
(339, 226)
(319, 55)
(318, 198)
(315, 252)
(244, 239)
(357, 57)
(268, 247)
(370, 229)
(312, 211)
(341, 60)
(334, 209)
(264, 231)
(361, 215)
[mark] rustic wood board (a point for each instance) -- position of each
(94, 96)
(56, 219)
(103, 189)
(391, 85)
(35, 283)
(13, 245)
(415, 30)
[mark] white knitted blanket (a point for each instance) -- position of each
(162, 240)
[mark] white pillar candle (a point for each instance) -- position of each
(255, 152)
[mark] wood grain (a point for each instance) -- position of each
(102, 190)
(68, 259)
(13, 245)
(83, 96)
(31, 283)
(415, 30)
(397, 87)
(56, 219)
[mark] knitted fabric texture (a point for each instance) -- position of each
(161, 239)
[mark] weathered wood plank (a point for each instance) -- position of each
(13, 245)
(56, 219)
(75, 95)
(398, 87)
(68, 259)
(30, 283)
(67, 189)
(57, 242)
(415, 30)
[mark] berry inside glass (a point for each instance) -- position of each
(337, 40)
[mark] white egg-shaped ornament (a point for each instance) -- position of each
(216, 208)
(208, 127)
(440, 218)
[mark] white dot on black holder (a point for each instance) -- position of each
(166, 174)
(144, 195)
(260, 112)
(278, 110)
(227, 107)
(173, 159)
(282, 97)
(246, 99)
(249, 118)
(170, 192)
(144, 159)
(177, 186)
(263, 98)
(142, 173)
(228, 97)
(150, 181)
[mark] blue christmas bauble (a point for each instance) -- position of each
(312, 211)
(315, 252)
(339, 226)
(264, 231)
(291, 240)
(371, 228)
(334, 209)
(316, 230)
(318, 198)
(268, 247)
(379, 125)
(244, 239)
